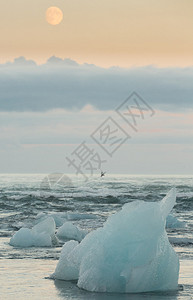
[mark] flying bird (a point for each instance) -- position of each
(102, 173)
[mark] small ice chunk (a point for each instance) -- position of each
(70, 272)
(40, 215)
(25, 237)
(47, 226)
(59, 218)
(69, 231)
(129, 254)
(41, 235)
(173, 222)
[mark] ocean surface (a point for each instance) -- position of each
(26, 198)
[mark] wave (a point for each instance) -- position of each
(185, 195)
(181, 241)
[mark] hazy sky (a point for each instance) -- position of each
(103, 32)
(59, 84)
(47, 111)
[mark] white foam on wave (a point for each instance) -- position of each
(185, 195)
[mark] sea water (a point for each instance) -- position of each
(24, 271)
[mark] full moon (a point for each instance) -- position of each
(54, 15)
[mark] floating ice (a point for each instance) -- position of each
(25, 237)
(47, 226)
(70, 271)
(41, 235)
(77, 216)
(61, 217)
(129, 254)
(173, 222)
(69, 231)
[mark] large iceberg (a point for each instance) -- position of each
(129, 254)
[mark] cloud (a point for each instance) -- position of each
(65, 84)
(53, 61)
(20, 62)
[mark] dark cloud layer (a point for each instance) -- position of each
(24, 86)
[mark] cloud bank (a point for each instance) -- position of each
(65, 84)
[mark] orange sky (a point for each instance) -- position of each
(103, 32)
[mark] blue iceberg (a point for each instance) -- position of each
(131, 253)
(41, 235)
(68, 231)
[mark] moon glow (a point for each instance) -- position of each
(54, 15)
